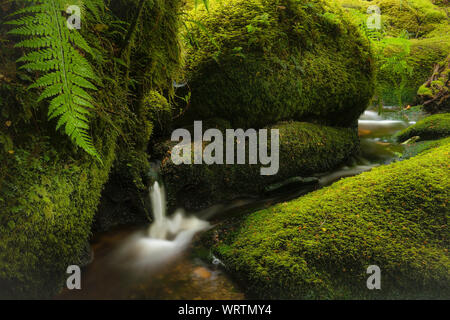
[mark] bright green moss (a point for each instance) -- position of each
(418, 17)
(432, 127)
(404, 65)
(411, 150)
(320, 245)
(262, 61)
(304, 149)
(425, 91)
(434, 93)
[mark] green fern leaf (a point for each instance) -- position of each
(66, 74)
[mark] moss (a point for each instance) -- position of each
(425, 53)
(432, 127)
(320, 245)
(418, 17)
(47, 205)
(305, 149)
(257, 62)
(399, 77)
(412, 150)
(422, 57)
(49, 190)
(425, 91)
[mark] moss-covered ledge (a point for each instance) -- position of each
(320, 245)
(432, 127)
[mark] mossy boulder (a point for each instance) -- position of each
(304, 149)
(432, 127)
(258, 62)
(414, 36)
(47, 205)
(321, 245)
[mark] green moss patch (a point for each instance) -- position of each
(432, 127)
(411, 150)
(46, 211)
(320, 245)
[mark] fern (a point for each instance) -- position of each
(66, 75)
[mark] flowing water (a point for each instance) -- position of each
(159, 261)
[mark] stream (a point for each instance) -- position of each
(160, 262)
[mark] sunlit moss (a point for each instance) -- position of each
(320, 245)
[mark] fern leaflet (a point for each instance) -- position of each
(65, 74)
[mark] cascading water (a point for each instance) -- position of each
(179, 227)
(165, 239)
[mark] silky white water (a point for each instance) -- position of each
(165, 239)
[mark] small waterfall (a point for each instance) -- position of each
(179, 227)
(166, 238)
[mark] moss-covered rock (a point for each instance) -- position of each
(256, 62)
(432, 127)
(49, 191)
(47, 206)
(320, 245)
(413, 149)
(418, 17)
(305, 149)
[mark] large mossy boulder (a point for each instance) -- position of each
(49, 190)
(321, 245)
(257, 62)
(304, 149)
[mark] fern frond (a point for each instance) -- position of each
(66, 74)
